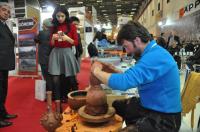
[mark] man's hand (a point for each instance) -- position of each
(96, 66)
(100, 76)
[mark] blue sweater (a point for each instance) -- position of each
(156, 76)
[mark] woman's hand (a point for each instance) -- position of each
(55, 36)
(68, 39)
(65, 38)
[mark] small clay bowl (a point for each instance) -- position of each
(77, 99)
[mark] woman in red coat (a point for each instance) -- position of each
(62, 62)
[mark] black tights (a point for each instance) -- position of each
(62, 85)
(56, 86)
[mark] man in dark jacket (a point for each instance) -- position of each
(7, 62)
(195, 59)
(161, 41)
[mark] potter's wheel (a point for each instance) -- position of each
(96, 119)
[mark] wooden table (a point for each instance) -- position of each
(72, 123)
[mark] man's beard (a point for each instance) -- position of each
(137, 54)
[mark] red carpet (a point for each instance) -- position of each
(21, 101)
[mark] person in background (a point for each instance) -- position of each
(174, 46)
(195, 59)
(156, 76)
(44, 49)
(79, 48)
(62, 61)
(7, 62)
(100, 39)
(161, 41)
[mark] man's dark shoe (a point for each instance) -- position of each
(10, 116)
(5, 123)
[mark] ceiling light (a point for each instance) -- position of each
(79, 2)
(118, 5)
(99, 1)
(133, 9)
(117, 0)
(132, 13)
(119, 9)
(50, 8)
(103, 10)
(106, 16)
(62, 4)
(101, 6)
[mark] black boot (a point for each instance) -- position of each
(4, 123)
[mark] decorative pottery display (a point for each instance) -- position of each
(51, 120)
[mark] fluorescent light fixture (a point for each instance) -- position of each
(118, 5)
(133, 9)
(132, 13)
(103, 10)
(50, 8)
(79, 2)
(119, 9)
(62, 4)
(99, 1)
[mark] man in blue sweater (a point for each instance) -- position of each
(156, 76)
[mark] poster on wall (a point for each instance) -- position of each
(28, 29)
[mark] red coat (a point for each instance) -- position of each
(72, 34)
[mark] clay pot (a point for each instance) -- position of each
(96, 101)
(109, 68)
(51, 120)
(93, 80)
(77, 99)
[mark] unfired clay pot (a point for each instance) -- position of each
(96, 101)
(76, 99)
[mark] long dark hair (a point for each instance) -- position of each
(55, 21)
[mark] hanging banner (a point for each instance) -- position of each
(28, 29)
(192, 7)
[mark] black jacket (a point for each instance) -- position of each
(7, 44)
(79, 47)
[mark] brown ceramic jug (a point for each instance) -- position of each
(51, 120)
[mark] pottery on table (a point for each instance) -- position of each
(77, 99)
(51, 120)
(96, 101)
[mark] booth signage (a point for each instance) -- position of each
(190, 8)
(26, 24)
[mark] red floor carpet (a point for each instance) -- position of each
(21, 101)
